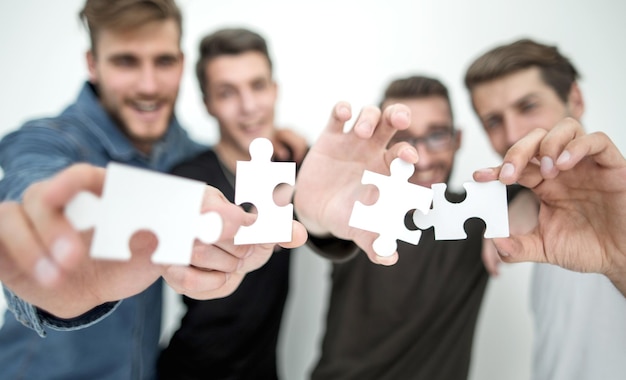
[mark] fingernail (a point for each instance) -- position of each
(503, 254)
(507, 170)
(343, 111)
(61, 249)
(365, 127)
(403, 114)
(409, 154)
(46, 272)
(546, 164)
(485, 171)
(563, 158)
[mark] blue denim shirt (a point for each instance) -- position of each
(114, 341)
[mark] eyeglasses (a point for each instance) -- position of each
(435, 141)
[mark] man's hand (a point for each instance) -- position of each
(329, 181)
(523, 214)
(580, 181)
(217, 269)
(45, 261)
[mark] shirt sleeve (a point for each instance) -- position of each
(38, 319)
(33, 153)
(333, 248)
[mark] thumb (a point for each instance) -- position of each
(521, 248)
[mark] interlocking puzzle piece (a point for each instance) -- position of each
(255, 183)
(396, 197)
(486, 201)
(137, 199)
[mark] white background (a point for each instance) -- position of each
(326, 51)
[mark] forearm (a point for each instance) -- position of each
(25, 161)
(616, 247)
(620, 284)
(617, 272)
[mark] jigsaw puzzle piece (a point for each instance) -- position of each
(486, 201)
(136, 199)
(206, 230)
(386, 217)
(83, 211)
(255, 183)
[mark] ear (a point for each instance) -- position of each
(575, 101)
(91, 66)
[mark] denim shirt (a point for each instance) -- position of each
(117, 340)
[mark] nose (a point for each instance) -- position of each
(515, 129)
(148, 80)
(248, 102)
(424, 155)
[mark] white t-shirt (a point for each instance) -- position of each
(579, 324)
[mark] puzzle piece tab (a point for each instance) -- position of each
(396, 197)
(137, 199)
(486, 201)
(255, 183)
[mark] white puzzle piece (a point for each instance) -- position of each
(137, 199)
(486, 200)
(396, 197)
(255, 183)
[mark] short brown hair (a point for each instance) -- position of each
(231, 41)
(126, 14)
(415, 87)
(556, 70)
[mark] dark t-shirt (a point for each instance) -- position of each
(233, 337)
(412, 320)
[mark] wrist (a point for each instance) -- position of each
(617, 272)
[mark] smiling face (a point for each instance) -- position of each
(431, 119)
(137, 73)
(241, 95)
(513, 105)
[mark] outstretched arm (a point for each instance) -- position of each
(329, 181)
(45, 261)
(580, 181)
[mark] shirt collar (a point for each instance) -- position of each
(113, 139)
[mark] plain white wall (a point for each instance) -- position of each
(326, 51)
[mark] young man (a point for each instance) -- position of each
(527, 88)
(124, 113)
(416, 319)
(233, 337)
